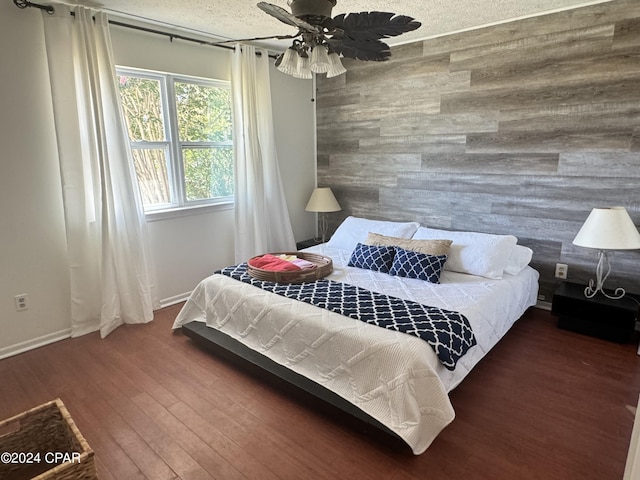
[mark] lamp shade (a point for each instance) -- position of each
(608, 228)
(336, 67)
(323, 200)
(320, 62)
(288, 63)
(302, 68)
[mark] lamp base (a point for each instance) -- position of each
(598, 285)
(324, 226)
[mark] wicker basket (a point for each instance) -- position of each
(46, 445)
(324, 268)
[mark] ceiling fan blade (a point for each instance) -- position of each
(272, 37)
(366, 50)
(373, 25)
(286, 17)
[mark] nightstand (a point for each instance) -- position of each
(601, 317)
(308, 243)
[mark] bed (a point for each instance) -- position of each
(392, 380)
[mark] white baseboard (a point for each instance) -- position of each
(543, 305)
(167, 302)
(632, 466)
(22, 347)
(34, 343)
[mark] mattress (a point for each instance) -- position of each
(395, 378)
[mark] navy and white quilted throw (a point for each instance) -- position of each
(448, 332)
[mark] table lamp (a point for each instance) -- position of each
(322, 201)
(607, 228)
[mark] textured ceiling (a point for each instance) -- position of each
(239, 19)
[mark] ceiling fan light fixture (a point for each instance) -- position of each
(336, 67)
(355, 35)
(303, 69)
(319, 59)
(289, 62)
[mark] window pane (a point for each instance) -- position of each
(208, 172)
(204, 113)
(142, 105)
(153, 179)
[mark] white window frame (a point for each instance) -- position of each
(173, 146)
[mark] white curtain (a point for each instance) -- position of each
(262, 221)
(112, 281)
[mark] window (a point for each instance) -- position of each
(180, 130)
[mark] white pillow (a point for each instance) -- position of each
(519, 258)
(354, 230)
(475, 253)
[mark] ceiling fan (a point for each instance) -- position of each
(321, 39)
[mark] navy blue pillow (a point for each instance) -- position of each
(378, 259)
(408, 263)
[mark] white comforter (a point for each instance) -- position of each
(395, 378)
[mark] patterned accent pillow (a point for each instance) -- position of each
(378, 259)
(412, 264)
(428, 247)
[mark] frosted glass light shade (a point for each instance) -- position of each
(289, 62)
(608, 228)
(323, 200)
(336, 67)
(319, 59)
(302, 68)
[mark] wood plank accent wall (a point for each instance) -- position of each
(518, 128)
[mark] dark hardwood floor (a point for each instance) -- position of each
(544, 404)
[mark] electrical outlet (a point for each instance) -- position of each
(561, 270)
(21, 302)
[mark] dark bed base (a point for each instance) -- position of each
(295, 384)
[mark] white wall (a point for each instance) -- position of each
(32, 238)
(294, 118)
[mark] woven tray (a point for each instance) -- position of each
(324, 268)
(39, 434)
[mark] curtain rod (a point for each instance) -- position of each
(50, 9)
